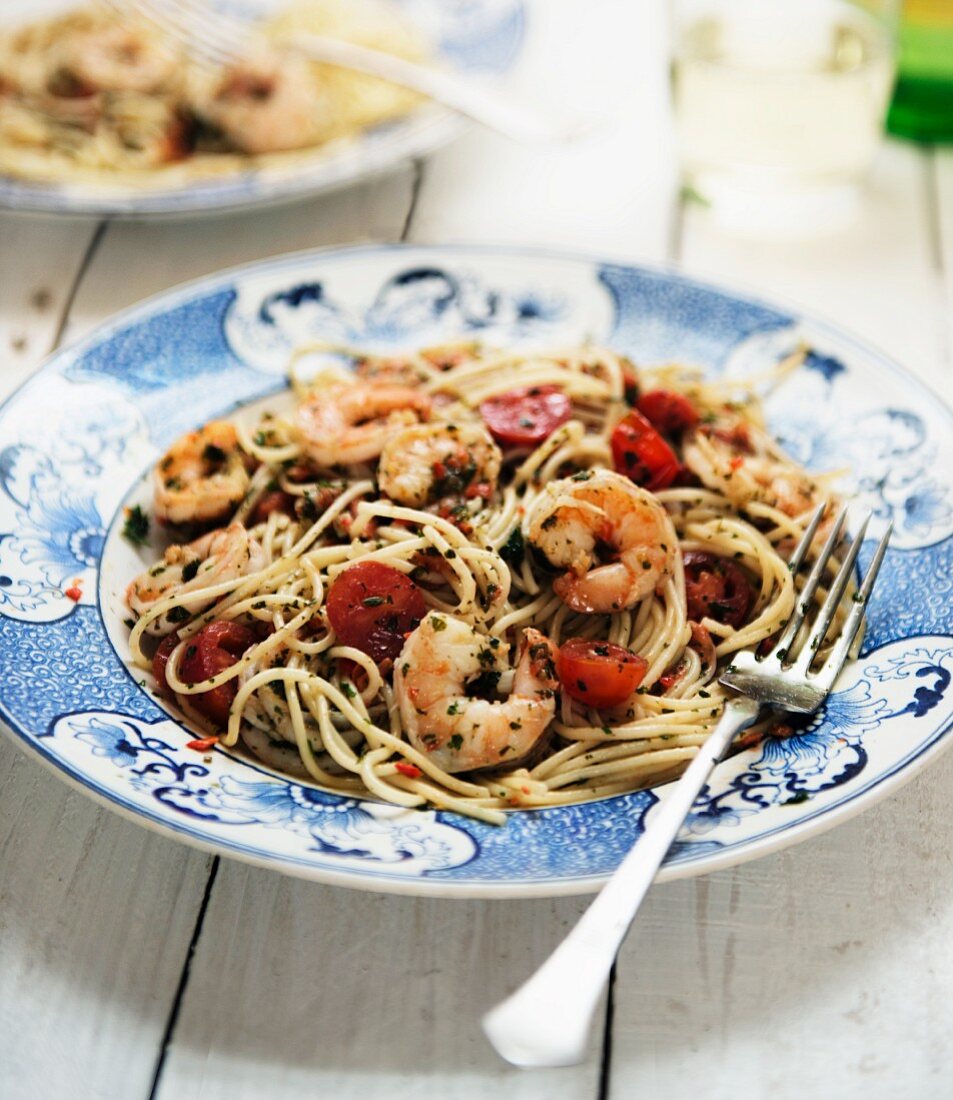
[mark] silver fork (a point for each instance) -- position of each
(546, 1021)
(215, 38)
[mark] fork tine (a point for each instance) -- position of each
(803, 602)
(797, 558)
(834, 596)
(201, 37)
(207, 49)
(215, 28)
(835, 661)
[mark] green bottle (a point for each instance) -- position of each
(922, 106)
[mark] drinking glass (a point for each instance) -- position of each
(780, 105)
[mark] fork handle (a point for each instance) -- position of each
(461, 94)
(546, 1021)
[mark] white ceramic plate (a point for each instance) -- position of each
(75, 441)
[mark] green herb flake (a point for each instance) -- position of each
(136, 527)
(513, 550)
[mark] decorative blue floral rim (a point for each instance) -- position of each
(479, 37)
(76, 438)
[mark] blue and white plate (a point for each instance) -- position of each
(480, 38)
(79, 435)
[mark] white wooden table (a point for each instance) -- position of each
(131, 966)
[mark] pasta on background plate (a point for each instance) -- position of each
(89, 97)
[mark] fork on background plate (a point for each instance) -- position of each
(546, 1021)
(215, 38)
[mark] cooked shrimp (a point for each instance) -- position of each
(575, 517)
(433, 461)
(267, 104)
(202, 476)
(734, 460)
(218, 556)
(350, 423)
(118, 59)
(462, 734)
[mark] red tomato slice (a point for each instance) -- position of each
(373, 606)
(716, 588)
(640, 453)
(215, 648)
(671, 413)
(525, 417)
(161, 658)
(599, 674)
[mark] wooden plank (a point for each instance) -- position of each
(610, 192)
(95, 918)
(300, 990)
(39, 261)
(821, 969)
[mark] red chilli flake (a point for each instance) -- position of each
(202, 744)
(410, 770)
(75, 593)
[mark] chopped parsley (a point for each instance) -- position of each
(513, 550)
(136, 527)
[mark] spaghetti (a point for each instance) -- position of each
(432, 588)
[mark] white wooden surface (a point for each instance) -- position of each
(132, 967)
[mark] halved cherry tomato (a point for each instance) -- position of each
(215, 648)
(161, 658)
(373, 606)
(527, 416)
(716, 588)
(599, 674)
(640, 453)
(671, 413)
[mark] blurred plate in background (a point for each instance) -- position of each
(478, 37)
